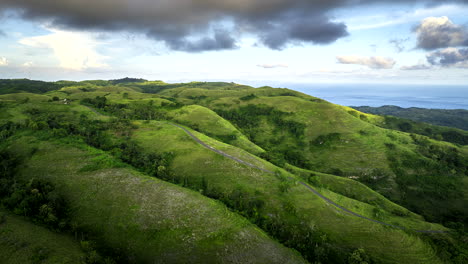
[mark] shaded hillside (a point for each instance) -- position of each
(24, 242)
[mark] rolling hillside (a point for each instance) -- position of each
(226, 173)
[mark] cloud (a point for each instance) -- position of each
(74, 50)
(449, 57)
(371, 62)
(28, 64)
(2, 33)
(200, 25)
(416, 67)
(272, 66)
(398, 44)
(439, 32)
(221, 40)
(295, 30)
(3, 61)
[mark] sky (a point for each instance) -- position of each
(257, 42)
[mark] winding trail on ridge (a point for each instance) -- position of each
(199, 141)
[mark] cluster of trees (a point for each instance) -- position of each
(438, 133)
(36, 200)
(139, 111)
(25, 85)
(445, 159)
(248, 118)
(428, 178)
(248, 97)
(326, 140)
(8, 129)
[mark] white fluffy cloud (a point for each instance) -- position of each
(439, 32)
(3, 61)
(74, 50)
(28, 64)
(272, 66)
(371, 62)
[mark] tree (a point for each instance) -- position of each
(359, 256)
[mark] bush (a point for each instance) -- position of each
(359, 256)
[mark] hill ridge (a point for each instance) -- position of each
(300, 182)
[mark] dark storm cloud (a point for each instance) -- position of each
(439, 32)
(318, 30)
(450, 57)
(193, 25)
(221, 40)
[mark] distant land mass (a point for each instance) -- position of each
(457, 118)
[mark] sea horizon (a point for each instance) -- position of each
(376, 95)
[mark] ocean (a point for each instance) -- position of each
(424, 96)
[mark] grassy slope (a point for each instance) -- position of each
(195, 162)
(24, 242)
(203, 118)
(208, 122)
(361, 147)
(320, 117)
(146, 218)
(352, 189)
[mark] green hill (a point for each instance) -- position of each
(226, 173)
(313, 134)
(139, 219)
(208, 122)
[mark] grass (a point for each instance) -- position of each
(158, 218)
(148, 219)
(24, 242)
(195, 162)
(210, 123)
(352, 189)
(18, 97)
(360, 150)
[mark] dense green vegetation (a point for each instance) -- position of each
(102, 163)
(410, 121)
(442, 117)
(452, 135)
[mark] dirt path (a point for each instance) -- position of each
(300, 182)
